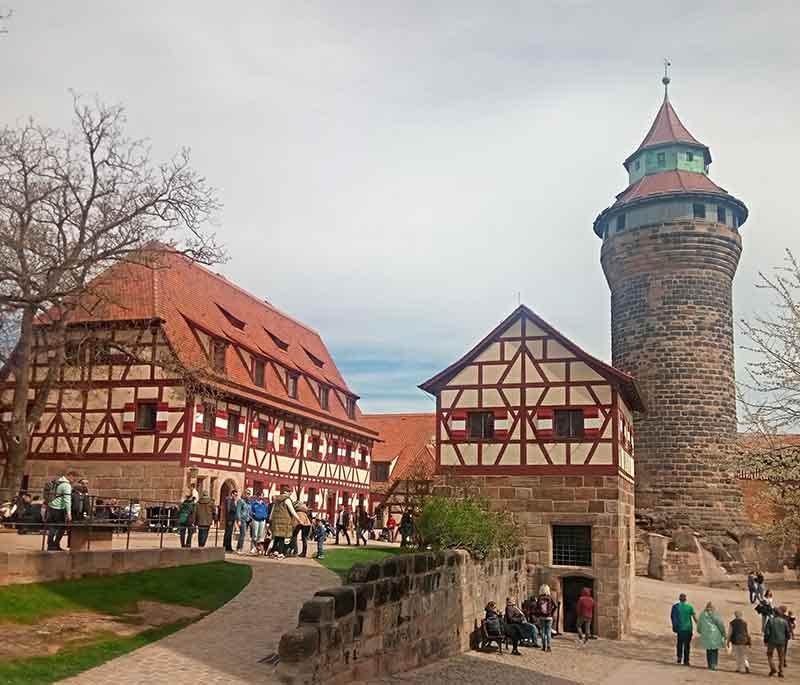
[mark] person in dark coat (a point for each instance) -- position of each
(229, 509)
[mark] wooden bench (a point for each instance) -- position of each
(488, 638)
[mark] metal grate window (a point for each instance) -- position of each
(572, 545)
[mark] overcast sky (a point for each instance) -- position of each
(394, 173)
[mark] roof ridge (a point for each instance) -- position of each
(402, 413)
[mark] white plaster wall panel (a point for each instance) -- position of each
(468, 399)
(531, 329)
(92, 422)
(121, 396)
(492, 373)
(72, 398)
(581, 371)
(555, 397)
(579, 451)
(175, 396)
(511, 457)
(491, 398)
(513, 396)
(516, 434)
(490, 452)
(578, 394)
(467, 376)
(143, 443)
(557, 452)
(512, 347)
(536, 348)
(198, 445)
(237, 452)
(532, 374)
(609, 431)
(515, 373)
(603, 393)
(285, 465)
(625, 411)
(603, 455)
(534, 455)
(469, 451)
(173, 419)
(555, 350)
(138, 372)
(513, 331)
(555, 371)
(490, 354)
(113, 446)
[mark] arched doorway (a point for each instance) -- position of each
(224, 492)
(571, 587)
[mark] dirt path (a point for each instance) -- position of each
(226, 645)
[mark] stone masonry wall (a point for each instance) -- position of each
(539, 502)
(400, 614)
(671, 320)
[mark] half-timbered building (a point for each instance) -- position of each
(544, 430)
(177, 377)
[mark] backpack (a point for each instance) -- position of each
(49, 491)
(544, 606)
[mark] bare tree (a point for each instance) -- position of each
(770, 401)
(72, 204)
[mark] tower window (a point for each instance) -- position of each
(572, 545)
(568, 423)
(690, 156)
(661, 159)
(621, 222)
(721, 215)
(699, 210)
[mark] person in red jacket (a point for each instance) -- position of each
(585, 611)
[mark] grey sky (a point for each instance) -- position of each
(393, 173)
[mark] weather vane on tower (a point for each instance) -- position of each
(666, 79)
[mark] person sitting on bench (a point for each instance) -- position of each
(515, 617)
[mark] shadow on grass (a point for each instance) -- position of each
(340, 560)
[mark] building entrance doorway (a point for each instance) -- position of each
(571, 590)
(331, 509)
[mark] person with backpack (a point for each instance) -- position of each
(776, 637)
(186, 520)
(712, 634)
(57, 496)
(205, 515)
(739, 640)
(544, 609)
(259, 511)
(681, 616)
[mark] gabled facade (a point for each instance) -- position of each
(178, 377)
(545, 431)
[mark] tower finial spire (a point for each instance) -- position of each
(666, 79)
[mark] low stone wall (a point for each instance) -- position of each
(398, 615)
(37, 567)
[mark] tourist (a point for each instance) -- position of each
(343, 524)
(776, 637)
(739, 640)
(362, 524)
(406, 528)
(494, 628)
(80, 500)
(391, 525)
(58, 500)
(282, 519)
(516, 617)
(229, 507)
(766, 607)
(243, 517)
(204, 517)
(302, 529)
(186, 520)
(545, 608)
(584, 610)
(319, 532)
(790, 619)
(751, 586)
(259, 512)
(712, 634)
(682, 615)
(759, 584)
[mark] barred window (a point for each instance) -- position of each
(572, 545)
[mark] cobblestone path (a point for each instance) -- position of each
(226, 645)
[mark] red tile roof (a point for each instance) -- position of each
(667, 128)
(666, 182)
(184, 295)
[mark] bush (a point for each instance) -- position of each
(466, 523)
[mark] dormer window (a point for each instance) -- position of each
(699, 210)
(258, 372)
(218, 348)
(661, 159)
(291, 384)
(279, 343)
(351, 407)
(314, 358)
(234, 321)
(324, 396)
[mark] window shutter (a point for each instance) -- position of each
(502, 423)
(458, 424)
(592, 422)
(544, 422)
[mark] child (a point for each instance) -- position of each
(319, 534)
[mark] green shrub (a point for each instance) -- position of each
(466, 523)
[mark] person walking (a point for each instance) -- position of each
(343, 525)
(712, 634)
(362, 525)
(282, 519)
(301, 530)
(319, 533)
(584, 609)
(766, 607)
(229, 509)
(739, 640)
(204, 514)
(259, 512)
(759, 584)
(186, 520)
(544, 609)
(682, 615)
(790, 619)
(391, 526)
(58, 512)
(243, 518)
(406, 527)
(751, 586)
(776, 637)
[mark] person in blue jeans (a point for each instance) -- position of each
(259, 512)
(318, 534)
(243, 517)
(544, 609)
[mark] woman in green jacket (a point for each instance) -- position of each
(712, 634)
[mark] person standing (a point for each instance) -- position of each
(59, 510)
(343, 525)
(186, 520)
(243, 518)
(759, 584)
(259, 512)
(204, 518)
(712, 634)
(80, 500)
(776, 637)
(767, 608)
(739, 639)
(682, 615)
(544, 609)
(362, 525)
(319, 533)
(790, 619)
(751, 586)
(282, 519)
(406, 527)
(391, 526)
(229, 509)
(301, 529)
(584, 610)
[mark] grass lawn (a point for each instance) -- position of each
(205, 587)
(341, 559)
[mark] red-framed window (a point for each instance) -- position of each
(315, 448)
(261, 439)
(324, 396)
(363, 460)
(146, 416)
(291, 384)
(209, 417)
(233, 425)
(258, 372)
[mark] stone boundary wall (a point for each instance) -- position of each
(38, 567)
(400, 614)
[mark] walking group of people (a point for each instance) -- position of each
(777, 628)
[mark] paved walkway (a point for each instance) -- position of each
(226, 645)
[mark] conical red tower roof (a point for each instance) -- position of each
(667, 128)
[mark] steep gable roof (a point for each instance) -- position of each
(623, 381)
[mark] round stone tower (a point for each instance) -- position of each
(671, 246)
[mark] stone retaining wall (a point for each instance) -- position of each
(398, 615)
(37, 567)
